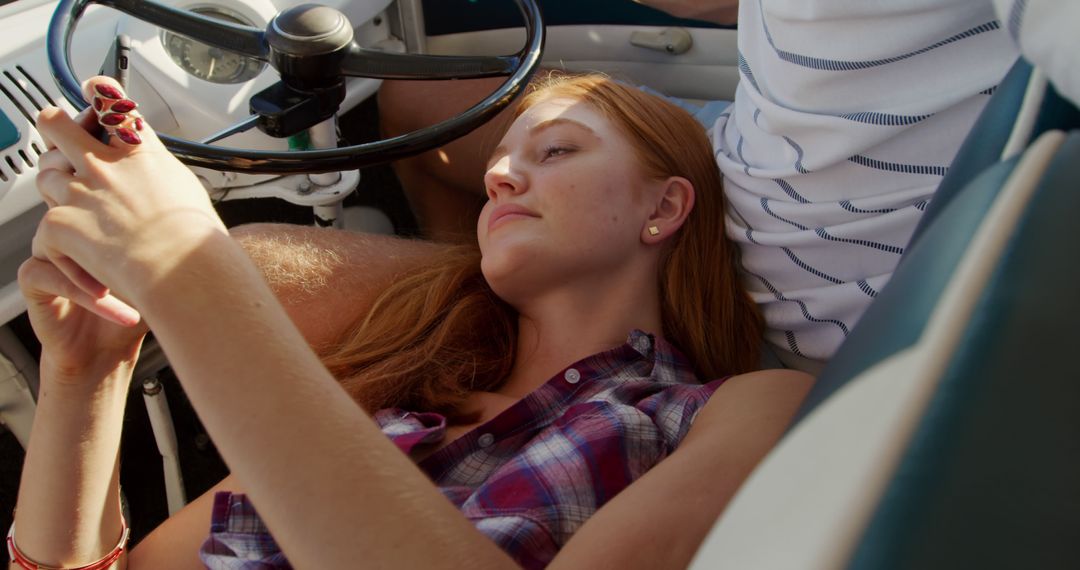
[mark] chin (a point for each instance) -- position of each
(509, 274)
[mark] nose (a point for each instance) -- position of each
(502, 178)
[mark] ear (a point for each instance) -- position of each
(673, 204)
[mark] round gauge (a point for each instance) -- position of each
(210, 63)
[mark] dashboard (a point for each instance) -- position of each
(184, 88)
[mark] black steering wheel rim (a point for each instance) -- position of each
(522, 66)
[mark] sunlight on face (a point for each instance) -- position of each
(564, 201)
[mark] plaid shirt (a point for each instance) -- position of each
(531, 476)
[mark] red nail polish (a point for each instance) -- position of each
(123, 106)
(138, 124)
(98, 104)
(108, 91)
(112, 119)
(129, 136)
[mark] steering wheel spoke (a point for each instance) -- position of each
(312, 49)
(363, 62)
(241, 127)
(238, 38)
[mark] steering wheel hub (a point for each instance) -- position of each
(309, 29)
(307, 45)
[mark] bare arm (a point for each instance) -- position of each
(717, 11)
(325, 278)
(381, 501)
(175, 544)
(75, 445)
(68, 510)
(330, 486)
(660, 520)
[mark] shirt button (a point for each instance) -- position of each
(486, 440)
(572, 375)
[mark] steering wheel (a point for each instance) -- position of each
(312, 48)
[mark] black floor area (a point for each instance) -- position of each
(141, 472)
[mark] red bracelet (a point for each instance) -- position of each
(20, 559)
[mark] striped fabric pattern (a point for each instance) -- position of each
(531, 476)
(846, 121)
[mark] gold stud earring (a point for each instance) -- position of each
(654, 231)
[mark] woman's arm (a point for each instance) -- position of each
(661, 519)
(329, 485)
(68, 509)
(175, 543)
(722, 12)
(327, 278)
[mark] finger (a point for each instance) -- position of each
(54, 185)
(118, 114)
(80, 277)
(87, 119)
(55, 160)
(67, 136)
(112, 309)
(69, 267)
(42, 281)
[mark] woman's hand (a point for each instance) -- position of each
(78, 332)
(723, 12)
(122, 216)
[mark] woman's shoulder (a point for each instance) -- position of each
(771, 375)
(761, 391)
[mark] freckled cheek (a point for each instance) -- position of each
(591, 208)
(617, 204)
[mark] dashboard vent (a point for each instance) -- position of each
(27, 96)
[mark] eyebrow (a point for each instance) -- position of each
(541, 127)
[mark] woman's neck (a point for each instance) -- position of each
(571, 323)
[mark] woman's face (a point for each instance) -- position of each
(567, 202)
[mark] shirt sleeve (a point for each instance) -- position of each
(674, 409)
(1046, 32)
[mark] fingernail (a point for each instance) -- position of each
(108, 91)
(119, 312)
(129, 136)
(99, 103)
(138, 124)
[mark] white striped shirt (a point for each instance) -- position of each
(847, 116)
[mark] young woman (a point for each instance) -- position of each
(534, 388)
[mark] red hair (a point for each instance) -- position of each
(441, 333)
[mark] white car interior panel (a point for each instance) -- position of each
(708, 71)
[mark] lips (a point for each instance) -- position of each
(507, 213)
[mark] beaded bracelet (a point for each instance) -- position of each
(22, 561)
